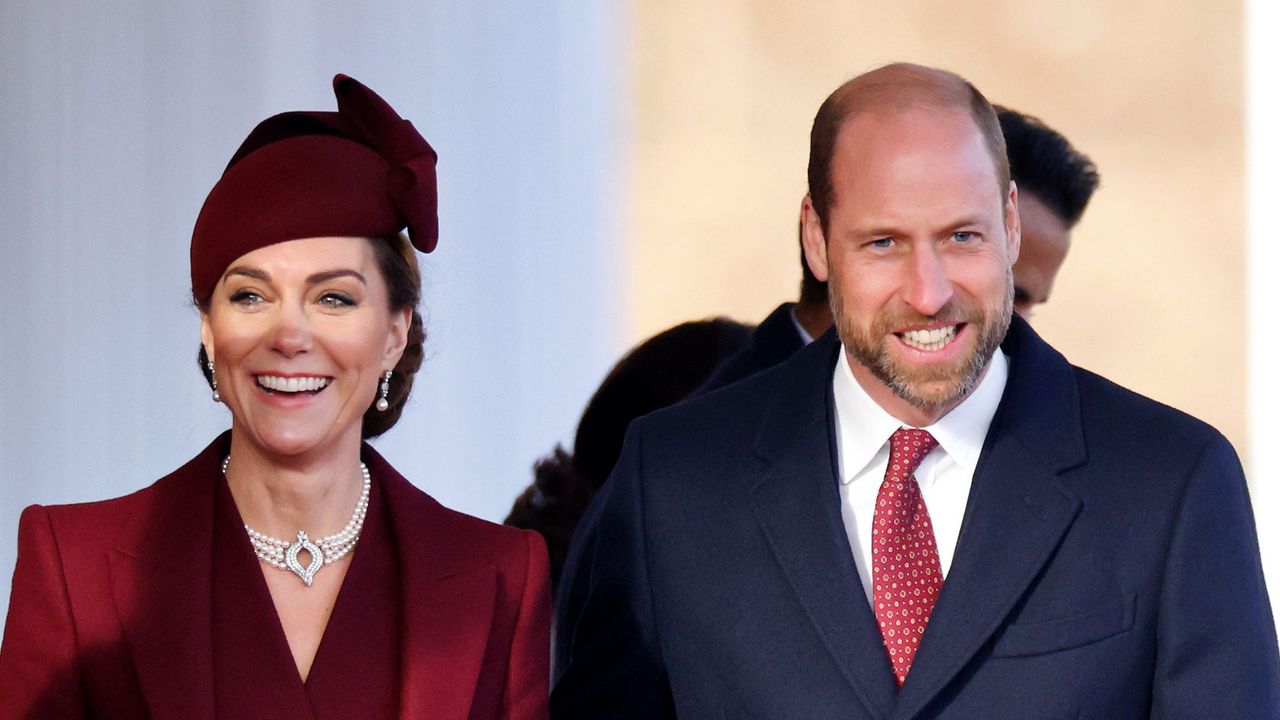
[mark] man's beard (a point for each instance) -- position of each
(932, 386)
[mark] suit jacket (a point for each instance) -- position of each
(1107, 566)
(772, 342)
(110, 611)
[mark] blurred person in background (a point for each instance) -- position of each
(791, 326)
(1055, 182)
(658, 372)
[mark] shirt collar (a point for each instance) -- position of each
(805, 337)
(864, 427)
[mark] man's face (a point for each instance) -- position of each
(918, 251)
(1045, 241)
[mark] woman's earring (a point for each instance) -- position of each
(382, 403)
(213, 379)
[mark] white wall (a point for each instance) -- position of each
(117, 119)
(1263, 68)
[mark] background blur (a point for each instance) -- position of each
(607, 170)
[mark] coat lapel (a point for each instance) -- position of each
(160, 578)
(1015, 518)
(797, 504)
(449, 597)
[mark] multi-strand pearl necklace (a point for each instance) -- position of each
(283, 554)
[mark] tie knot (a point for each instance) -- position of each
(908, 446)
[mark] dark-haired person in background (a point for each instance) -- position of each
(791, 326)
(658, 372)
(1055, 182)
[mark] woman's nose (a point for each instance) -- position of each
(292, 332)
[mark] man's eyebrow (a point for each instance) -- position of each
(334, 274)
(966, 221)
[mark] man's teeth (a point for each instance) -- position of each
(929, 339)
(292, 384)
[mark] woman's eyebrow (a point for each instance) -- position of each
(254, 273)
(332, 274)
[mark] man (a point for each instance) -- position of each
(777, 549)
(791, 326)
(1055, 182)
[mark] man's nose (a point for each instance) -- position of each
(928, 288)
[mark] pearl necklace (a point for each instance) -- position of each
(283, 554)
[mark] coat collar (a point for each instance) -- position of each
(777, 337)
(450, 592)
(797, 503)
(1015, 517)
(161, 569)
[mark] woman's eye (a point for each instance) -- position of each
(336, 300)
(246, 297)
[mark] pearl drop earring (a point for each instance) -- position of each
(213, 380)
(382, 403)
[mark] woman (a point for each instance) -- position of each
(288, 571)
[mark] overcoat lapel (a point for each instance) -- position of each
(160, 577)
(797, 504)
(1015, 518)
(449, 598)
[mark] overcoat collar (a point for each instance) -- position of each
(161, 580)
(1015, 517)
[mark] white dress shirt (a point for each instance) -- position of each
(862, 438)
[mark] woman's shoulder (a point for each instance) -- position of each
(459, 528)
(422, 521)
(180, 495)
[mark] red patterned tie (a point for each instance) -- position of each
(904, 557)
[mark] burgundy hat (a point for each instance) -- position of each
(362, 171)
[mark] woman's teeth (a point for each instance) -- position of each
(929, 340)
(292, 384)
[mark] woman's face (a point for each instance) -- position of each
(300, 336)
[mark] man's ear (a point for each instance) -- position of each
(814, 240)
(1013, 223)
(398, 336)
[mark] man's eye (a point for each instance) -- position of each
(964, 236)
(882, 243)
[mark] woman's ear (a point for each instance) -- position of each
(398, 335)
(206, 335)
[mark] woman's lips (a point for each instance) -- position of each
(292, 384)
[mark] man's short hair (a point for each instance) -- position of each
(1045, 164)
(896, 86)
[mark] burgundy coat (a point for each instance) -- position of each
(110, 611)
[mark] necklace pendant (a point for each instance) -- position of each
(307, 574)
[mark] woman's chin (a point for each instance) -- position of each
(292, 441)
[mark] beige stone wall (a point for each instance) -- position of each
(1152, 294)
